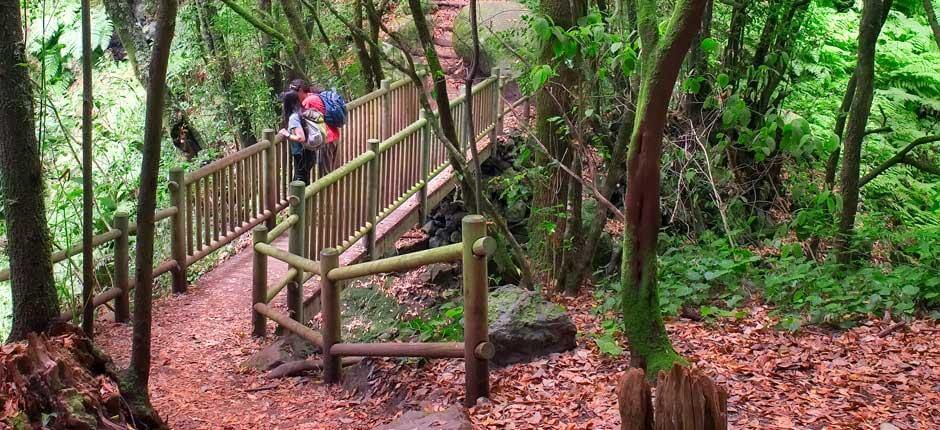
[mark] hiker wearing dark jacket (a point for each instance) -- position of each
(294, 132)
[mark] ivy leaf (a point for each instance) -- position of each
(709, 45)
(723, 80)
(608, 345)
(540, 75)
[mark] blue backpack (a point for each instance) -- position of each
(335, 107)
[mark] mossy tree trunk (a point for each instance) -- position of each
(869, 29)
(138, 374)
(932, 20)
(35, 303)
(661, 59)
(547, 225)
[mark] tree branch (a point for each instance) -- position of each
(898, 158)
(256, 21)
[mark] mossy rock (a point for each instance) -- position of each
(369, 315)
(524, 326)
(497, 20)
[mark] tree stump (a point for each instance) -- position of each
(686, 399)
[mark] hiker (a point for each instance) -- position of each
(333, 108)
(295, 132)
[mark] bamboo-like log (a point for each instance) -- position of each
(178, 228)
(386, 118)
(330, 316)
(279, 229)
(226, 161)
(372, 199)
(400, 349)
(259, 280)
(291, 259)
(295, 327)
(398, 263)
(340, 172)
(295, 290)
(269, 174)
(198, 204)
(475, 310)
(213, 246)
(122, 303)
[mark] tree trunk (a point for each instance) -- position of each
(698, 67)
(650, 347)
(273, 73)
(138, 375)
(88, 261)
(869, 29)
(469, 131)
(297, 29)
(573, 233)
(932, 19)
(35, 303)
(547, 223)
(214, 39)
(832, 164)
(581, 264)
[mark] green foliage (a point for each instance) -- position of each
(443, 324)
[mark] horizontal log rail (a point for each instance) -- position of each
(485, 246)
(308, 265)
(226, 161)
(295, 327)
(400, 349)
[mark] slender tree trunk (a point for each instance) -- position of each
(650, 347)
(88, 260)
(35, 303)
(932, 19)
(219, 58)
(573, 233)
(581, 263)
(832, 164)
(299, 32)
(869, 30)
(374, 19)
(469, 132)
(138, 375)
(698, 66)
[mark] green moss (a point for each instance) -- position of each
(369, 314)
(19, 422)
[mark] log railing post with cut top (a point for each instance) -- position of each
(425, 167)
(259, 280)
(475, 309)
(269, 177)
(330, 313)
(372, 199)
(497, 106)
(295, 290)
(386, 118)
(122, 303)
(178, 231)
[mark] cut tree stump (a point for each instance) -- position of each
(686, 399)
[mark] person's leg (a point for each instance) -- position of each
(300, 166)
(308, 165)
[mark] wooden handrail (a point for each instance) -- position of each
(308, 265)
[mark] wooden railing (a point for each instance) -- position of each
(475, 349)
(212, 206)
(346, 206)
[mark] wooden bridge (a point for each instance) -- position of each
(393, 168)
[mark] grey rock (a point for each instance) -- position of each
(452, 418)
(524, 325)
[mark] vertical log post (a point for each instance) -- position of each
(372, 200)
(463, 126)
(178, 223)
(425, 167)
(122, 304)
(386, 126)
(329, 310)
(295, 290)
(269, 177)
(497, 105)
(475, 308)
(259, 280)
